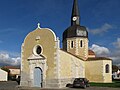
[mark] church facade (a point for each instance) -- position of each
(45, 65)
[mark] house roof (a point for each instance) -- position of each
(90, 52)
(11, 67)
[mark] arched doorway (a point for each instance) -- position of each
(38, 77)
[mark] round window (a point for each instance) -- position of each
(38, 50)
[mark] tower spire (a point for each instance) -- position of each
(75, 14)
(75, 10)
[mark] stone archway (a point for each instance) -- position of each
(38, 69)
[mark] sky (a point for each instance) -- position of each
(19, 17)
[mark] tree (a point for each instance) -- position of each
(115, 68)
(5, 69)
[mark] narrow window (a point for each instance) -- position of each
(72, 44)
(81, 43)
(107, 68)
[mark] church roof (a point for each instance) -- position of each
(72, 31)
(98, 58)
(89, 59)
(75, 27)
(72, 55)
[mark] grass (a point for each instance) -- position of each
(114, 84)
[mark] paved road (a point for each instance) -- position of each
(90, 88)
(12, 85)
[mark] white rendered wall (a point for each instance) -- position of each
(3, 75)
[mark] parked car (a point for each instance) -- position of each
(81, 82)
(69, 85)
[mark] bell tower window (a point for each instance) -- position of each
(81, 43)
(72, 44)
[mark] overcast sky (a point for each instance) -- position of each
(19, 17)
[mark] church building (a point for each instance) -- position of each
(44, 64)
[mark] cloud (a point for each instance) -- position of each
(100, 30)
(114, 53)
(6, 59)
(117, 43)
(100, 51)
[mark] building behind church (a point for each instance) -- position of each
(45, 65)
(3, 75)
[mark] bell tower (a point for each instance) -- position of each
(75, 37)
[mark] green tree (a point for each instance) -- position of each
(115, 68)
(5, 69)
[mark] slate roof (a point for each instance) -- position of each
(75, 10)
(72, 31)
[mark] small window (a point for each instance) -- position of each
(107, 68)
(72, 44)
(81, 43)
(38, 50)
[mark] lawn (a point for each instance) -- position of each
(114, 84)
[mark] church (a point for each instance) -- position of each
(44, 64)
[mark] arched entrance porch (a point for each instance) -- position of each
(38, 69)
